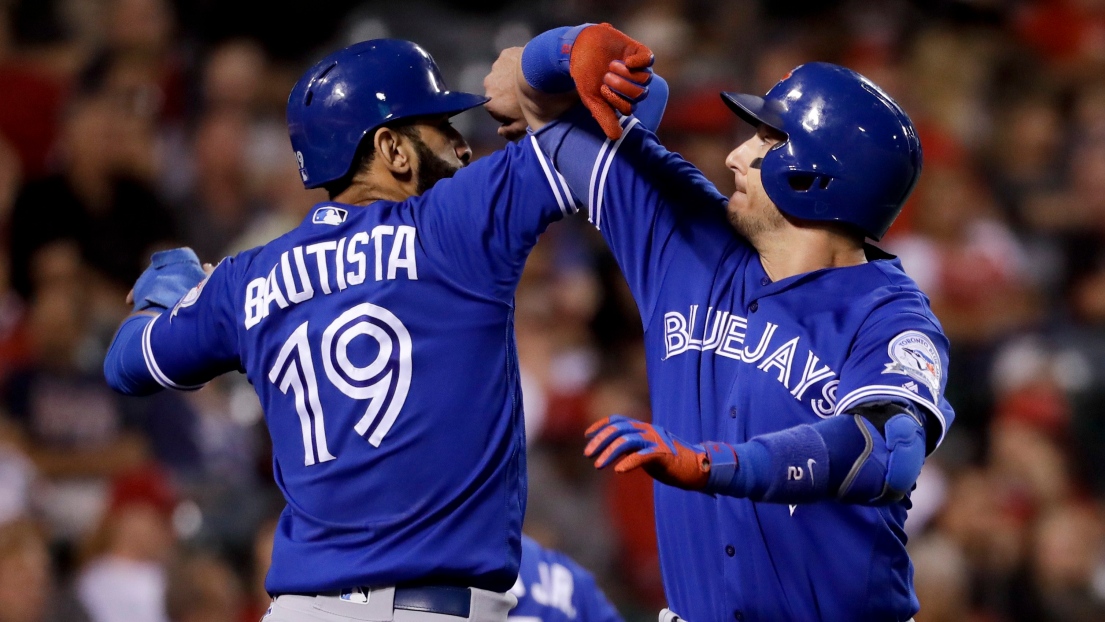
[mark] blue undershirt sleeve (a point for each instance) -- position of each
(124, 366)
(871, 458)
(650, 110)
(545, 59)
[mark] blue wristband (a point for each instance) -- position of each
(789, 466)
(545, 59)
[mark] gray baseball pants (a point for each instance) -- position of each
(379, 606)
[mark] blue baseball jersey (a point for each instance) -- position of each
(732, 355)
(380, 340)
(552, 587)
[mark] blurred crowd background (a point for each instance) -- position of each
(132, 125)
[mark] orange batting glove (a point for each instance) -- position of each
(636, 444)
(611, 72)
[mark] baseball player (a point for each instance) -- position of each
(796, 372)
(552, 587)
(378, 335)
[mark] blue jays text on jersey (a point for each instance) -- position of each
(380, 341)
(552, 587)
(733, 355)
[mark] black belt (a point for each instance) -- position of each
(446, 600)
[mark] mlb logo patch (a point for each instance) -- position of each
(329, 215)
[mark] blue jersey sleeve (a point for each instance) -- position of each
(900, 352)
(650, 204)
(487, 217)
(197, 340)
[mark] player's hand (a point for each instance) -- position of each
(611, 73)
(207, 269)
(170, 275)
(636, 444)
(500, 85)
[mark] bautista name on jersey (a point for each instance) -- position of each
(334, 265)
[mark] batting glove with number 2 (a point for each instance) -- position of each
(634, 444)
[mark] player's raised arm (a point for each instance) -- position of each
(610, 162)
(156, 349)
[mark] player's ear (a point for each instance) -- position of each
(394, 150)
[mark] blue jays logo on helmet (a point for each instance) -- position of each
(353, 91)
(851, 154)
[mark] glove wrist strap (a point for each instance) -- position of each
(723, 465)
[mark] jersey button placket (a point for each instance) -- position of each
(754, 307)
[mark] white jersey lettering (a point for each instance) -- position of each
(294, 279)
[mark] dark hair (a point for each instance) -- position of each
(366, 152)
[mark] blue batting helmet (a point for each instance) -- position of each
(851, 154)
(353, 91)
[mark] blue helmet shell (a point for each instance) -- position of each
(353, 91)
(851, 155)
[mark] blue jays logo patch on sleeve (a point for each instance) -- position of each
(190, 298)
(913, 354)
(329, 215)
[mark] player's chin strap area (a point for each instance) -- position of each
(870, 455)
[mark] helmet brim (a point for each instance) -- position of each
(754, 110)
(455, 102)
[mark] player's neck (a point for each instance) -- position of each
(368, 190)
(797, 250)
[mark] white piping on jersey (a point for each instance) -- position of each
(151, 363)
(558, 191)
(573, 202)
(602, 162)
(881, 390)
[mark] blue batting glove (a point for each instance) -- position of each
(170, 275)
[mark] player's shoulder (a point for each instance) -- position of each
(323, 221)
(894, 293)
(533, 554)
(233, 267)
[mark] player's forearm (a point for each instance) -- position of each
(542, 78)
(546, 88)
(125, 366)
(847, 457)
